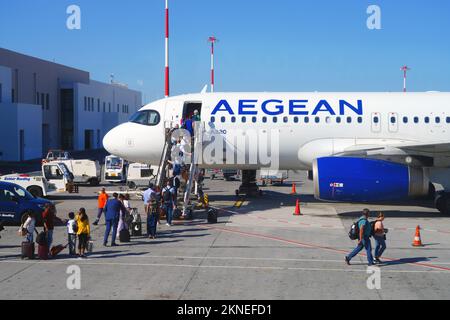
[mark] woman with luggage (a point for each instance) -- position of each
(30, 226)
(83, 232)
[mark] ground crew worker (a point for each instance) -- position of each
(365, 232)
(102, 199)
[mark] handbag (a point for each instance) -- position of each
(90, 246)
(22, 232)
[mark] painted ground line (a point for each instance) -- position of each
(97, 256)
(87, 262)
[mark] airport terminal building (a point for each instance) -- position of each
(45, 105)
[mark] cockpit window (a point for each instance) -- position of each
(146, 117)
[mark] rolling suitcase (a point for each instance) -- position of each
(124, 235)
(27, 250)
(136, 229)
(43, 252)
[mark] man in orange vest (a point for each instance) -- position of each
(102, 199)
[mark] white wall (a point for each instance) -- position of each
(16, 117)
(102, 121)
(26, 120)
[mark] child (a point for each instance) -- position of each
(72, 228)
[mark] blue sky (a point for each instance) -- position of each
(265, 45)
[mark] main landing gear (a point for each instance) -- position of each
(249, 187)
(442, 202)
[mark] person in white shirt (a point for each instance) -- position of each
(72, 227)
(30, 226)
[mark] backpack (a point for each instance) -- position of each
(372, 228)
(75, 227)
(167, 195)
(353, 234)
(42, 238)
(176, 182)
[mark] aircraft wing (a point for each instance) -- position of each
(438, 148)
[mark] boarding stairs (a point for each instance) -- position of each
(195, 156)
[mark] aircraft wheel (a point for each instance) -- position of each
(441, 203)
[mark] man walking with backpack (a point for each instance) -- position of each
(365, 232)
(168, 195)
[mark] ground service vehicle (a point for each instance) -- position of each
(273, 177)
(83, 170)
(55, 178)
(140, 175)
(115, 169)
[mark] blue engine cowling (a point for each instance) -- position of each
(366, 180)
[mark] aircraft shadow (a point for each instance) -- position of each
(394, 214)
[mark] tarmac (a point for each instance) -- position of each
(258, 251)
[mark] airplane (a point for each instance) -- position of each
(357, 147)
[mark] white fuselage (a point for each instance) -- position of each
(306, 125)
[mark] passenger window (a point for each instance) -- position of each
(233, 119)
(427, 119)
(376, 120)
(317, 120)
(254, 119)
(285, 119)
(295, 119)
(393, 120)
(328, 120)
(405, 120)
(349, 119)
(360, 119)
(306, 119)
(244, 119)
(213, 119)
(338, 120)
(416, 119)
(264, 119)
(275, 119)
(223, 119)
(448, 119)
(438, 120)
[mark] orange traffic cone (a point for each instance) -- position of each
(417, 239)
(294, 189)
(297, 211)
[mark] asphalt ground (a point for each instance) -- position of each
(257, 251)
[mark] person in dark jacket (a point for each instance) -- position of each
(113, 209)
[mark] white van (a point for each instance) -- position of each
(140, 175)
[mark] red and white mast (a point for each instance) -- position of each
(167, 86)
(405, 69)
(212, 40)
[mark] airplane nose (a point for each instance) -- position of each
(110, 141)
